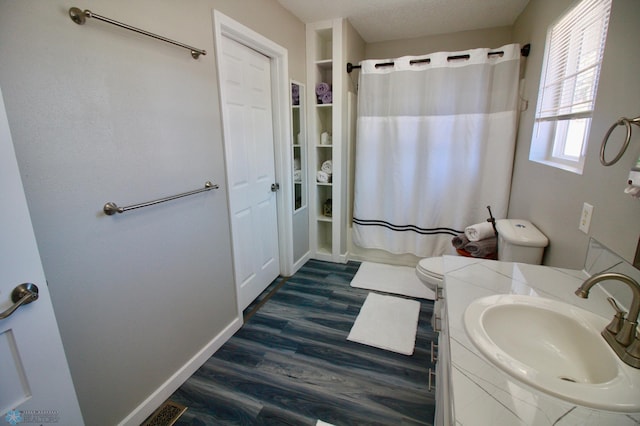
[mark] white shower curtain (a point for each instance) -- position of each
(434, 147)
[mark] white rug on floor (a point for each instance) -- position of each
(391, 279)
(387, 322)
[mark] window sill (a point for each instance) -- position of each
(577, 169)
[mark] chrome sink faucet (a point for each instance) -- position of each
(620, 334)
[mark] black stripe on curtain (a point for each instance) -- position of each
(404, 228)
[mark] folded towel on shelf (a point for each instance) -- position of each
(297, 176)
(322, 88)
(296, 164)
(323, 177)
(479, 231)
(326, 98)
(632, 190)
(327, 167)
(482, 248)
(459, 241)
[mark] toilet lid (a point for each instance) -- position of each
(432, 266)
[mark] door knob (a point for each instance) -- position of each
(275, 187)
(21, 295)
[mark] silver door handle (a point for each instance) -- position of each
(21, 295)
(430, 387)
(434, 358)
(437, 323)
(275, 187)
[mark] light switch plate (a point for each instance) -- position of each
(585, 218)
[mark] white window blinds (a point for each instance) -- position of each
(575, 47)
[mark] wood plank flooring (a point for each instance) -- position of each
(291, 363)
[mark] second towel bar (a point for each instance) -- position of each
(112, 208)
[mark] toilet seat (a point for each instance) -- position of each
(430, 270)
(432, 266)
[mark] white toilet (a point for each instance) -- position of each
(518, 241)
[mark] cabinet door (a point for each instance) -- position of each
(298, 154)
(443, 414)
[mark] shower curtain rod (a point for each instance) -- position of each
(524, 52)
(80, 16)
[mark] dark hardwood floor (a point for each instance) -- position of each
(291, 362)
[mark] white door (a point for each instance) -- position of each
(245, 78)
(35, 383)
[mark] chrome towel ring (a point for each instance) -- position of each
(623, 121)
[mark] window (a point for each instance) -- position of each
(568, 85)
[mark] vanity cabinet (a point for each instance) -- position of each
(443, 414)
(471, 389)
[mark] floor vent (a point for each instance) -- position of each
(166, 415)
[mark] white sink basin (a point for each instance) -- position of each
(554, 347)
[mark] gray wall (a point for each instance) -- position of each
(101, 114)
(354, 53)
(464, 40)
(553, 198)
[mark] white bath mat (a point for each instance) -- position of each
(391, 279)
(387, 322)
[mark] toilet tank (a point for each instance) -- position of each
(520, 241)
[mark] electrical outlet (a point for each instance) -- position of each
(585, 218)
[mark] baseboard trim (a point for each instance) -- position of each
(149, 405)
(327, 257)
(297, 265)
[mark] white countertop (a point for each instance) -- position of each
(481, 393)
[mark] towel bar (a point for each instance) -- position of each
(112, 208)
(80, 16)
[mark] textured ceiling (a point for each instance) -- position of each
(383, 20)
